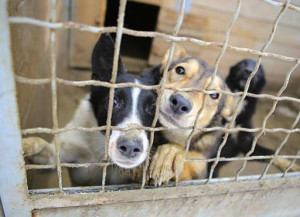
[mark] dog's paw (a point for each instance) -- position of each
(38, 151)
(137, 175)
(33, 146)
(167, 163)
(283, 164)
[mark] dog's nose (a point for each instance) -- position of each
(179, 104)
(130, 149)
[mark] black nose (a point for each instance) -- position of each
(179, 104)
(130, 148)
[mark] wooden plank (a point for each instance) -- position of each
(31, 55)
(30, 51)
(90, 12)
(254, 9)
(208, 23)
(272, 197)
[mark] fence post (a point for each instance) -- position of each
(13, 184)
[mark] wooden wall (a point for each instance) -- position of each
(208, 20)
(30, 50)
(205, 20)
(90, 12)
(31, 57)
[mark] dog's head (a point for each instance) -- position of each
(179, 109)
(239, 73)
(131, 107)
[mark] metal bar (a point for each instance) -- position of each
(53, 51)
(95, 189)
(162, 86)
(13, 183)
(226, 39)
(281, 4)
(188, 189)
(264, 157)
(275, 24)
(83, 27)
(85, 165)
(42, 81)
(281, 145)
(121, 16)
(267, 117)
(154, 129)
(67, 165)
(240, 101)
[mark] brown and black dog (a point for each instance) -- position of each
(179, 110)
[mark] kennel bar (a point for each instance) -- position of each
(217, 62)
(84, 27)
(163, 84)
(221, 197)
(239, 103)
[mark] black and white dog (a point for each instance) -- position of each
(131, 107)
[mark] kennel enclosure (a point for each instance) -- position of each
(243, 195)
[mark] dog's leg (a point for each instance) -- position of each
(283, 164)
(168, 163)
(38, 150)
(259, 150)
(33, 145)
(137, 175)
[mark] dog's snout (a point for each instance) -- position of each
(246, 73)
(179, 104)
(130, 149)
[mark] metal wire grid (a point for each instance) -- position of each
(53, 25)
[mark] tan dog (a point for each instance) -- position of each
(179, 110)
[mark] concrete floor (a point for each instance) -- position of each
(69, 97)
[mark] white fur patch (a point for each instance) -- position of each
(132, 120)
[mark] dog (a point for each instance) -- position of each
(131, 107)
(241, 142)
(179, 110)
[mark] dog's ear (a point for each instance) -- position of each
(179, 52)
(102, 59)
(260, 80)
(230, 78)
(152, 75)
(228, 106)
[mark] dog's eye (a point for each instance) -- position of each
(151, 109)
(117, 104)
(214, 95)
(180, 70)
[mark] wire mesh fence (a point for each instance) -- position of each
(161, 87)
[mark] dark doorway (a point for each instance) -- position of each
(138, 16)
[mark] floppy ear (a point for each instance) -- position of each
(228, 106)
(102, 59)
(230, 78)
(261, 80)
(179, 52)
